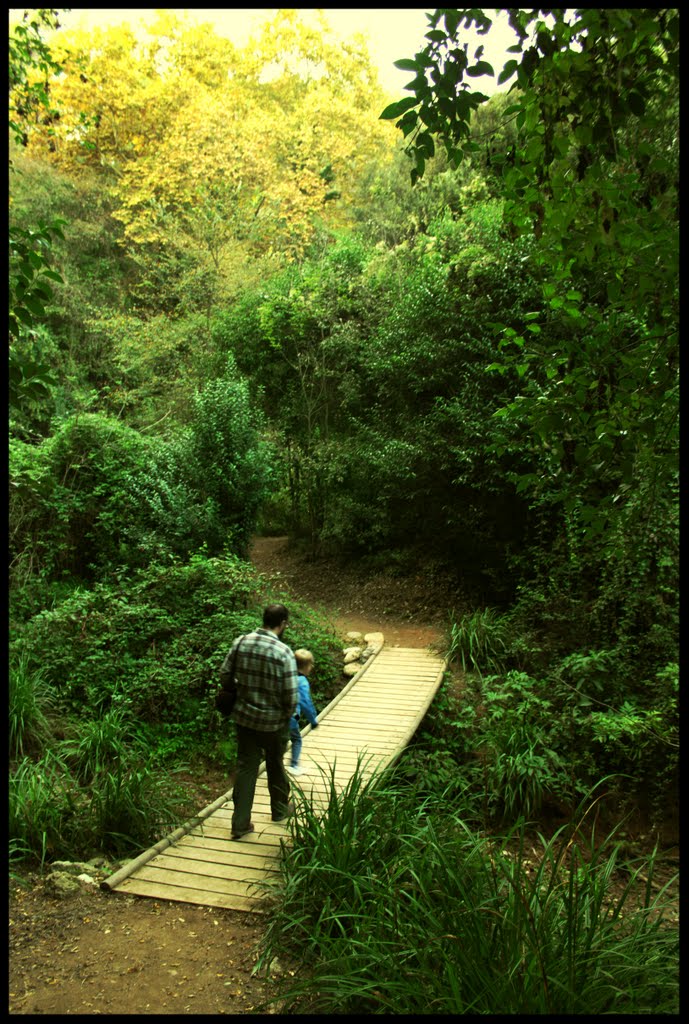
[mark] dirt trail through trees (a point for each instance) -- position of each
(107, 953)
(410, 610)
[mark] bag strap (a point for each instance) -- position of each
(234, 659)
(233, 663)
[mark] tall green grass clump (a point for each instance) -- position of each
(479, 641)
(43, 805)
(133, 806)
(30, 704)
(394, 905)
(101, 744)
(97, 792)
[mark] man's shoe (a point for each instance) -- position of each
(295, 769)
(288, 813)
(238, 835)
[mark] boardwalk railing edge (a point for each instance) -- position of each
(153, 851)
(421, 715)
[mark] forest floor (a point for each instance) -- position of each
(92, 952)
(95, 952)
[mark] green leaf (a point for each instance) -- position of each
(614, 288)
(509, 69)
(425, 143)
(398, 107)
(53, 275)
(482, 68)
(23, 315)
(405, 64)
(452, 19)
(408, 122)
(34, 305)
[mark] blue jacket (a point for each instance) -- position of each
(305, 706)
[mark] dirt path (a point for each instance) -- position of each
(410, 610)
(92, 952)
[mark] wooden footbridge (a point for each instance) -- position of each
(369, 722)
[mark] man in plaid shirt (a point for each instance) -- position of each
(266, 673)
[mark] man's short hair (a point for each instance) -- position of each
(274, 615)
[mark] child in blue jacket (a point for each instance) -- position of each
(305, 709)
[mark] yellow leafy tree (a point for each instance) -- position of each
(227, 154)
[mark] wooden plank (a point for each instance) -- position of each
(375, 717)
(352, 740)
(363, 720)
(199, 866)
(380, 709)
(239, 900)
(390, 694)
(195, 854)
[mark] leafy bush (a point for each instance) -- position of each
(153, 639)
(153, 642)
(516, 744)
(98, 495)
(133, 805)
(43, 803)
(226, 461)
(102, 744)
(366, 874)
(82, 477)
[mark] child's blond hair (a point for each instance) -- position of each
(304, 658)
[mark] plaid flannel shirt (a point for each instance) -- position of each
(266, 682)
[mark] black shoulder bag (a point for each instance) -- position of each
(226, 697)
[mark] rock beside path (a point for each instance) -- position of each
(366, 646)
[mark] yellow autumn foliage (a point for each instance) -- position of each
(260, 144)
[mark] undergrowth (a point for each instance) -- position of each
(395, 904)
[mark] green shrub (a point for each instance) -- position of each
(393, 905)
(133, 805)
(226, 460)
(155, 638)
(101, 744)
(154, 642)
(117, 809)
(521, 767)
(98, 495)
(83, 476)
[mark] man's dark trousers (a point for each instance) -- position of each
(252, 746)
